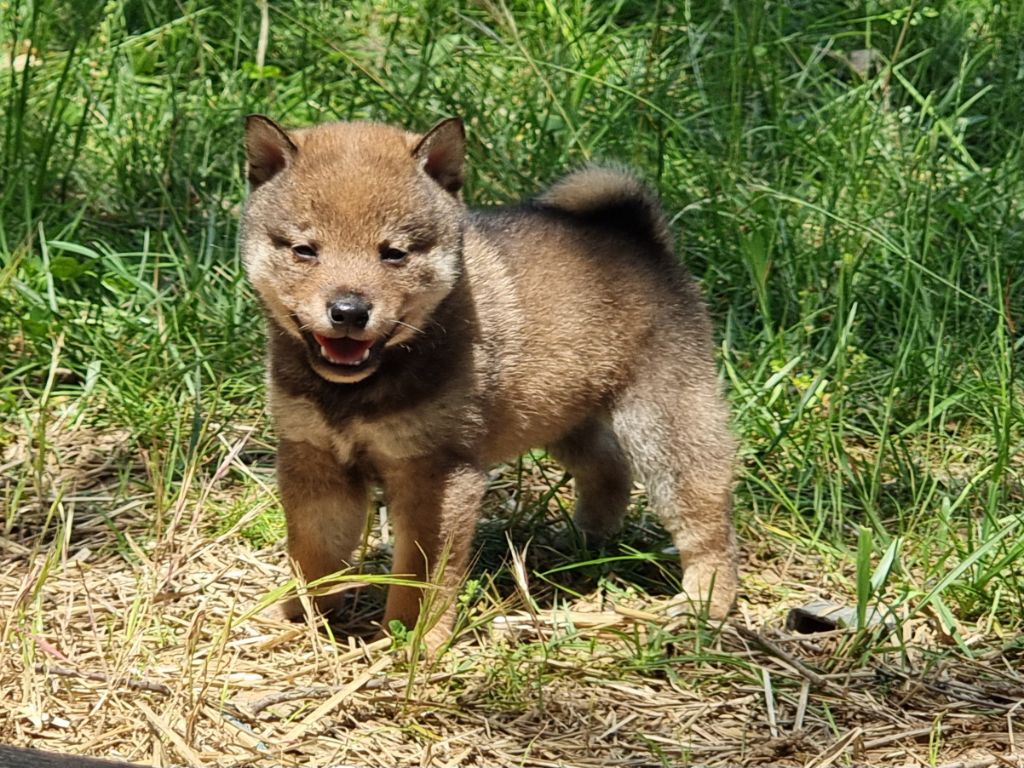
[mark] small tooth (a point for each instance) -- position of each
(326, 354)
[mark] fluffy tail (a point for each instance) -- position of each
(612, 197)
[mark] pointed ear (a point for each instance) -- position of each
(442, 153)
(268, 150)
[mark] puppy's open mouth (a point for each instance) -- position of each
(344, 353)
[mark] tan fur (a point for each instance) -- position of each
(565, 323)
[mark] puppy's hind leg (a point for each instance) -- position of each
(677, 438)
(594, 457)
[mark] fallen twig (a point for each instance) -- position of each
(789, 659)
(101, 677)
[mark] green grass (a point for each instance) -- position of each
(857, 234)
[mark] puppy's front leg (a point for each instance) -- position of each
(434, 507)
(325, 509)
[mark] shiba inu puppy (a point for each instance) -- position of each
(413, 342)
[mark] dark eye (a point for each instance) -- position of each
(304, 252)
(392, 255)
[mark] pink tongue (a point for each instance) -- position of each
(344, 351)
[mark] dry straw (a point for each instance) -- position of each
(155, 650)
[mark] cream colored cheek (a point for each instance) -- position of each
(446, 270)
(280, 306)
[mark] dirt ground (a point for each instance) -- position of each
(157, 649)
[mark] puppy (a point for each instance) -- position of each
(413, 342)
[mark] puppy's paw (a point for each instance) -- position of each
(293, 609)
(708, 590)
(285, 610)
(428, 641)
(435, 640)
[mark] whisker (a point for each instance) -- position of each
(408, 325)
(302, 326)
(309, 326)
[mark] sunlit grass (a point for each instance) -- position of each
(844, 180)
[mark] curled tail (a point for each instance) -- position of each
(612, 197)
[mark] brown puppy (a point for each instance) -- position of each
(413, 342)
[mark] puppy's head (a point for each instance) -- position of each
(352, 234)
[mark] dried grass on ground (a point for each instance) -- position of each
(155, 650)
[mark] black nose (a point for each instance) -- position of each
(351, 311)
